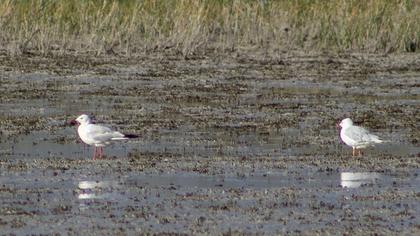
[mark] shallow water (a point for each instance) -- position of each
(103, 198)
(224, 147)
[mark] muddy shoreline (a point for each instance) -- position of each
(229, 145)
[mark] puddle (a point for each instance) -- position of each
(257, 181)
(41, 144)
(187, 143)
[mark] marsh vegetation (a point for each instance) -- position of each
(196, 27)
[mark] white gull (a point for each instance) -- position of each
(356, 136)
(97, 135)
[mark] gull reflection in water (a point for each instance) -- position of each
(357, 179)
(92, 189)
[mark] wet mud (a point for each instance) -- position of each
(243, 144)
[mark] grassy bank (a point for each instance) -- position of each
(198, 26)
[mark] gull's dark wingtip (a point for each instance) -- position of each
(130, 136)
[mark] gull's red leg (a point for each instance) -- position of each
(94, 152)
(102, 152)
(99, 152)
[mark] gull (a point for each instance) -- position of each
(356, 136)
(97, 135)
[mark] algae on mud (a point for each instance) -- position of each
(242, 144)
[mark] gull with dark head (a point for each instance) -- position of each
(97, 135)
(356, 136)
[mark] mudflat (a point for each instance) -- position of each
(243, 144)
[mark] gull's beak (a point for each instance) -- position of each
(73, 122)
(338, 126)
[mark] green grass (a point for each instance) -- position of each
(200, 26)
